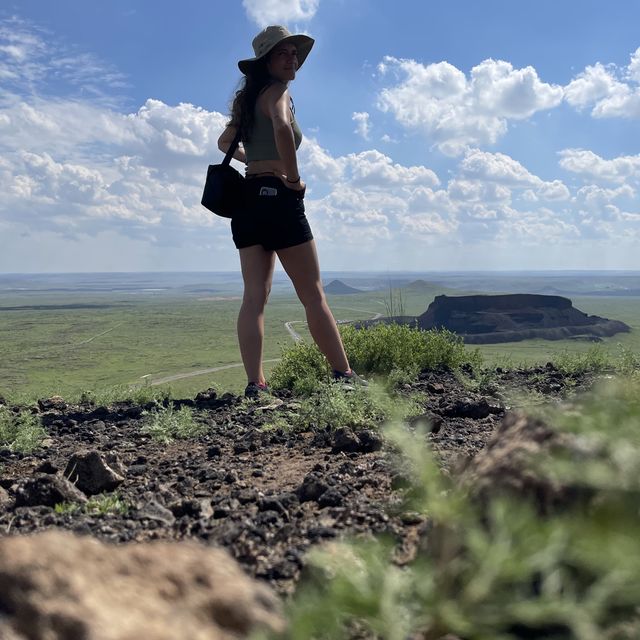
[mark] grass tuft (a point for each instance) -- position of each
(97, 505)
(165, 424)
(21, 432)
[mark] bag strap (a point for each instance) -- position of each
(232, 148)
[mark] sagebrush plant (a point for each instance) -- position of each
(166, 424)
(496, 569)
(595, 360)
(380, 349)
(331, 406)
(300, 366)
(20, 431)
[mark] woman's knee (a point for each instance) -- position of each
(312, 296)
(256, 298)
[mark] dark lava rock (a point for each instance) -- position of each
(346, 440)
(55, 403)
(364, 441)
(46, 490)
(47, 467)
(468, 408)
(370, 440)
(153, 510)
(331, 498)
(312, 487)
(429, 418)
(192, 508)
(214, 452)
(91, 474)
(435, 387)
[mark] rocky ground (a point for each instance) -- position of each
(265, 495)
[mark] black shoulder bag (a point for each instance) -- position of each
(224, 186)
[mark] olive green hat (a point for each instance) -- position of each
(271, 36)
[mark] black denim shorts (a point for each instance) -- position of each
(272, 215)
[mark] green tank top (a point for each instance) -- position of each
(262, 145)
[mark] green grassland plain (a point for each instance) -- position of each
(67, 343)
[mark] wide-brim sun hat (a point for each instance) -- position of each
(271, 36)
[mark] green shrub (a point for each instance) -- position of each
(627, 362)
(497, 570)
(165, 424)
(300, 367)
(384, 347)
(331, 406)
(595, 360)
(379, 349)
(20, 431)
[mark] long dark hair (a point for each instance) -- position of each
(244, 103)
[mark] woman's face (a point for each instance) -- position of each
(283, 62)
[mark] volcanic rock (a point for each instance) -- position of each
(55, 403)
(91, 474)
(46, 490)
(365, 441)
(57, 585)
(312, 487)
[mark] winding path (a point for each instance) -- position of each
(288, 325)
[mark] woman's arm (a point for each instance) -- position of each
(225, 140)
(277, 106)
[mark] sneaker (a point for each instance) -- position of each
(256, 389)
(350, 377)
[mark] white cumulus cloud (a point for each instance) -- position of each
(590, 165)
(266, 12)
(456, 112)
(610, 91)
(363, 125)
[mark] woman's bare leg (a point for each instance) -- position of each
(257, 272)
(301, 264)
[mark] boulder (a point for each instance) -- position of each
(47, 490)
(91, 474)
(55, 585)
(54, 403)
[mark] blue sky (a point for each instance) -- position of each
(438, 135)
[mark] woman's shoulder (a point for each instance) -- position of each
(273, 90)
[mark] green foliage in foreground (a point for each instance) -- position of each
(165, 424)
(20, 431)
(97, 505)
(330, 406)
(498, 570)
(381, 349)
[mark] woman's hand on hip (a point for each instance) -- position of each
(294, 186)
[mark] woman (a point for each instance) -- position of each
(273, 221)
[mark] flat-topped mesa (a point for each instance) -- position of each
(513, 317)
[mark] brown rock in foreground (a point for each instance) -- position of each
(55, 585)
(512, 464)
(89, 472)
